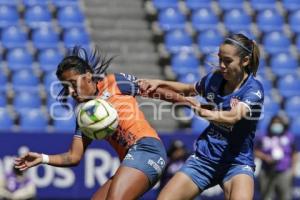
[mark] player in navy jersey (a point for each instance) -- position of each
(224, 151)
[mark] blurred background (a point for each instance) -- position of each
(162, 39)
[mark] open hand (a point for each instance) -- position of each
(147, 86)
(28, 160)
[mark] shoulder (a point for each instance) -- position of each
(124, 77)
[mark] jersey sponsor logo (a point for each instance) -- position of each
(129, 77)
(161, 162)
(155, 166)
(258, 94)
(210, 96)
(128, 157)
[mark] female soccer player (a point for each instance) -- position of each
(141, 152)
(224, 151)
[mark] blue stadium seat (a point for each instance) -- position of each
(295, 126)
(52, 84)
(276, 42)
(269, 20)
(29, 3)
(211, 62)
(76, 36)
(19, 58)
(203, 19)
(3, 81)
(209, 41)
(3, 100)
(263, 4)
(197, 4)
(9, 16)
(37, 16)
(294, 21)
(62, 3)
(45, 37)
(24, 80)
(65, 126)
(14, 37)
(26, 100)
(231, 4)
(178, 40)
(297, 43)
(6, 120)
(183, 63)
(163, 4)
(199, 124)
(236, 20)
(171, 18)
(9, 2)
(33, 121)
(189, 78)
(292, 107)
(70, 16)
(291, 5)
(270, 107)
(267, 84)
(262, 67)
(49, 59)
(289, 86)
(263, 124)
(283, 64)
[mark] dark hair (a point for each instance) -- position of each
(281, 119)
(79, 60)
(246, 47)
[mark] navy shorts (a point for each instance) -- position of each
(206, 174)
(149, 156)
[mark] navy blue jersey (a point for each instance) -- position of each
(223, 143)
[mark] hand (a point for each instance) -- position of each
(269, 160)
(147, 86)
(28, 160)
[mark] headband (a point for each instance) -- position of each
(239, 44)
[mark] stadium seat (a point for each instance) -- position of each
(295, 126)
(24, 80)
(199, 124)
(270, 107)
(211, 62)
(45, 37)
(269, 20)
(163, 4)
(6, 120)
(276, 42)
(3, 81)
(26, 100)
(231, 4)
(291, 5)
(294, 21)
(289, 86)
(9, 16)
(236, 20)
(178, 40)
(49, 59)
(292, 107)
(283, 64)
(263, 4)
(203, 19)
(62, 3)
(3, 100)
(189, 78)
(297, 43)
(76, 36)
(262, 67)
(14, 37)
(52, 84)
(183, 63)
(9, 2)
(37, 16)
(209, 41)
(19, 58)
(33, 121)
(70, 16)
(171, 18)
(263, 124)
(267, 84)
(197, 4)
(29, 3)
(65, 126)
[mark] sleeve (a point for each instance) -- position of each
(253, 99)
(200, 86)
(78, 132)
(127, 84)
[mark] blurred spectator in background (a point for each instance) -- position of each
(177, 154)
(277, 151)
(17, 186)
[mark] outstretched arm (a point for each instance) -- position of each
(67, 159)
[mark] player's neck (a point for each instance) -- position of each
(235, 84)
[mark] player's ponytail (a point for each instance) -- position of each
(246, 47)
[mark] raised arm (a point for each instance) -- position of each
(67, 159)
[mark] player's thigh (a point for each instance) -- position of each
(128, 183)
(101, 193)
(239, 187)
(180, 187)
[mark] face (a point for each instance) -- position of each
(80, 86)
(230, 63)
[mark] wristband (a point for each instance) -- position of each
(45, 158)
